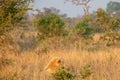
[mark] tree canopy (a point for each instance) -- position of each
(12, 11)
(113, 8)
(49, 25)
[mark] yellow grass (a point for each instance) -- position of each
(105, 65)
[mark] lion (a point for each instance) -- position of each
(53, 65)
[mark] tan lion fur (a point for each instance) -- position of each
(53, 65)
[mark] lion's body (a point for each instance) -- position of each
(53, 65)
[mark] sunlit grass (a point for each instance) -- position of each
(105, 65)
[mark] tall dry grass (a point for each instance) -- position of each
(105, 65)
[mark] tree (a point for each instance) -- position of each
(114, 24)
(83, 3)
(109, 25)
(49, 25)
(12, 11)
(50, 10)
(113, 8)
(102, 19)
(82, 28)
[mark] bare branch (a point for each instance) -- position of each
(84, 3)
(79, 2)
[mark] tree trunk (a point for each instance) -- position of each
(86, 9)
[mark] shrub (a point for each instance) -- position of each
(82, 28)
(85, 72)
(49, 25)
(114, 23)
(63, 74)
(12, 11)
(111, 37)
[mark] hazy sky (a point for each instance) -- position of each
(68, 8)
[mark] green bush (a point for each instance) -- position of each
(49, 25)
(85, 72)
(111, 37)
(63, 74)
(11, 13)
(82, 28)
(114, 23)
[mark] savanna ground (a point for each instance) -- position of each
(105, 65)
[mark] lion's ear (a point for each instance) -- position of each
(59, 61)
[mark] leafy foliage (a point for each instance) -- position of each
(85, 72)
(102, 18)
(63, 74)
(113, 8)
(12, 11)
(109, 25)
(111, 37)
(114, 23)
(83, 28)
(50, 25)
